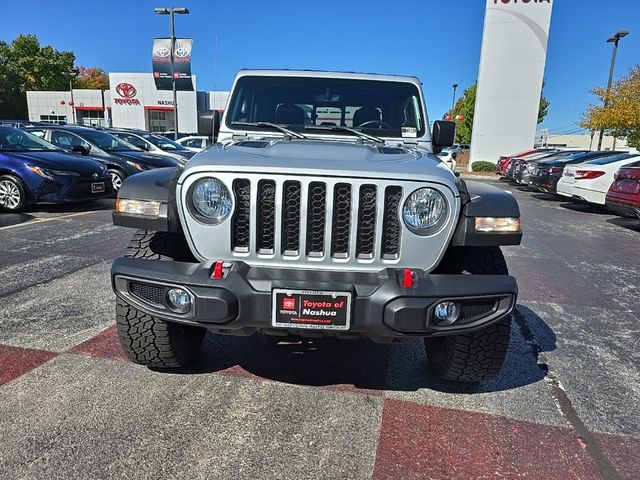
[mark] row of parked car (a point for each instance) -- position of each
(49, 163)
(607, 178)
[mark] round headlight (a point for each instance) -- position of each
(424, 209)
(211, 199)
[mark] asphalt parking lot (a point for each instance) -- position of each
(565, 405)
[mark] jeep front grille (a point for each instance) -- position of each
(329, 224)
(317, 222)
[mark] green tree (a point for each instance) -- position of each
(466, 106)
(24, 66)
(619, 110)
(91, 78)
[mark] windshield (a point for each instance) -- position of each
(14, 140)
(163, 143)
(383, 109)
(107, 142)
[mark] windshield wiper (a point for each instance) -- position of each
(342, 128)
(275, 126)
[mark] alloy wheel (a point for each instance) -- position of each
(10, 196)
(117, 180)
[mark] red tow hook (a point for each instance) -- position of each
(408, 278)
(218, 272)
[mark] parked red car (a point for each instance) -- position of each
(503, 162)
(623, 196)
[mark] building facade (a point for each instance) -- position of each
(131, 102)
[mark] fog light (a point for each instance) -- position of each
(446, 313)
(179, 300)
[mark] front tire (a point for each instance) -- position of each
(13, 195)
(117, 178)
(476, 356)
(148, 340)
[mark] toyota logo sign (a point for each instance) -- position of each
(182, 52)
(126, 90)
(162, 52)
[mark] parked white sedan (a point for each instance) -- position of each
(590, 181)
(194, 143)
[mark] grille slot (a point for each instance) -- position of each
(341, 222)
(477, 308)
(240, 222)
(316, 210)
(391, 228)
(153, 294)
(266, 217)
(365, 243)
(291, 198)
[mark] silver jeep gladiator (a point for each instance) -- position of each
(322, 210)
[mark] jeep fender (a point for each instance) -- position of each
(483, 200)
(157, 185)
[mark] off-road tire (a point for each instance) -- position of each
(477, 356)
(148, 340)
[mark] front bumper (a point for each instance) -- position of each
(240, 303)
(70, 189)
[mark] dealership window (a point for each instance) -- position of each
(160, 121)
(91, 118)
(57, 119)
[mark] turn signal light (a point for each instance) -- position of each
(497, 225)
(146, 208)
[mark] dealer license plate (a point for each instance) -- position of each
(97, 187)
(311, 309)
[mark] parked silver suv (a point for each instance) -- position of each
(323, 210)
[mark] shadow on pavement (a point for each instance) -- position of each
(579, 206)
(9, 219)
(88, 206)
(629, 223)
(367, 365)
(549, 197)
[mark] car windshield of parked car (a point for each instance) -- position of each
(381, 108)
(108, 142)
(163, 143)
(610, 159)
(14, 140)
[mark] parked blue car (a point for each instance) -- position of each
(33, 171)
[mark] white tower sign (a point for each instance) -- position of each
(512, 61)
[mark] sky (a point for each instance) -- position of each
(436, 40)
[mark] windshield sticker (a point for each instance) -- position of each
(409, 132)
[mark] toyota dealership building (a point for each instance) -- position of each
(131, 102)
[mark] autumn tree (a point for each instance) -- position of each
(466, 106)
(26, 65)
(618, 112)
(91, 78)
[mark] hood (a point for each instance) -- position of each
(145, 158)
(322, 158)
(185, 154)
(68, 162)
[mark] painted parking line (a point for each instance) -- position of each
(16, 361)
(48, 219)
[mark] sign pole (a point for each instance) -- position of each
(173, 78)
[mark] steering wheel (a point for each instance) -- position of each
(379, 123)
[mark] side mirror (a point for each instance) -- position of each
(81, 149)
(209, 124)
(454, 155)
(443, 135)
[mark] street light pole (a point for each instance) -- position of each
(453, 104)
(615, 40)
(171, 12)
(73, 73)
